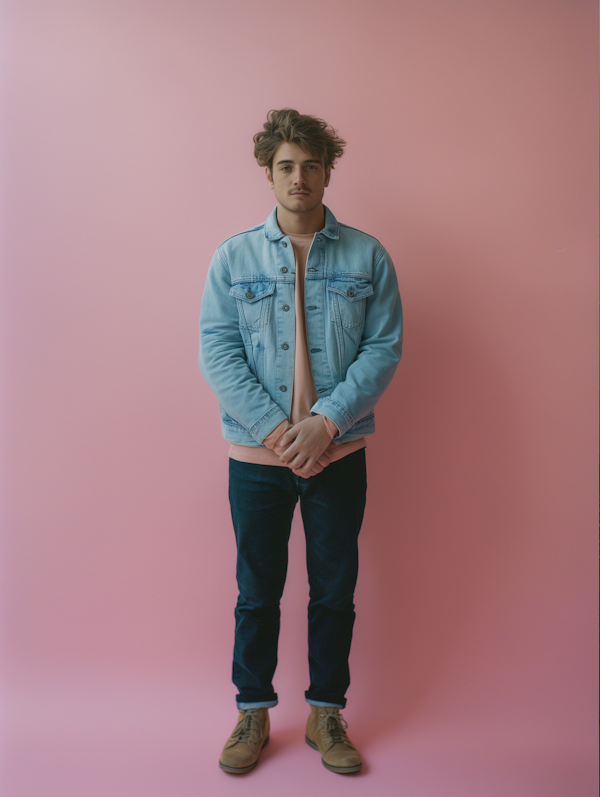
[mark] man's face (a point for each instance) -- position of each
(298, 179)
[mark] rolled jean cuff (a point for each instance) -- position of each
(262, 704)
(326, 705)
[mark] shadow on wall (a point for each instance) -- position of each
(442, 510)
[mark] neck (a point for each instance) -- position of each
(301, 223)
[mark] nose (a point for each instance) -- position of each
(298, 177)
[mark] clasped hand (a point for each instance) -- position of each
(302, 448)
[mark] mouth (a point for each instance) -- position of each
(300, 193)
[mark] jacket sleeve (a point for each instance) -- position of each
(378, 354)
(222, 358)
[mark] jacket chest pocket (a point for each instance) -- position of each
(253, 302)
(348, 299)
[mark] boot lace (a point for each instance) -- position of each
(249, 729)
(334, 726)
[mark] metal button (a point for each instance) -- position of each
(285, 346)
(250, 295)
(284, 270)
(283, 243)
(318, 239)
(283, 388)
(350, 293)
(286, 307)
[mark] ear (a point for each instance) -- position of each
(327, 175)
(269, 177)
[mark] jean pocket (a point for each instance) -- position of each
(253, 302)
(348, 298)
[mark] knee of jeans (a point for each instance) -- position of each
(332, 602)
(256, 602)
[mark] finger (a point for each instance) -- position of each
(309, 465)
(314, 458)
(288, 451)
(306, 474)
(312, 469)
(291, 453)
(299, 462)
(289, 436)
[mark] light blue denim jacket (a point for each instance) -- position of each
(247, 328)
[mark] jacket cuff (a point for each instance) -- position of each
(265, 425)
(335, 412)
(271, 440)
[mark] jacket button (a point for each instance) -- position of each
(350, 293)
(285, 346)
(283, 243)
(250, 295)
(286, 307)
(284, 270)
(283, 388)
(318, 239)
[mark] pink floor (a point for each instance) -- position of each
(159, 743)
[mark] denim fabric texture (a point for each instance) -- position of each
(332, 505)
(247, 328)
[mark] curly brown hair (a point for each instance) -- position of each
(312, 134)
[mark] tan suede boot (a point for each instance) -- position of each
(249, 736)
(326, 732)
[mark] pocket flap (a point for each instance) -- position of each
(251, 291)
(352, 290)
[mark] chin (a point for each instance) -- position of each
(304, 208)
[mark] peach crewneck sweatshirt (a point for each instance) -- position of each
(304, 394)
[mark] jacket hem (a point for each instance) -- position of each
(235, 433)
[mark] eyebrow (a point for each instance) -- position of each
(308, 160)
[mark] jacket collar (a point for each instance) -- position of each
(331, 228)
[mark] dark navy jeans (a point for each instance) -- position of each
(332, 504)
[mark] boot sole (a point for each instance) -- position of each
(243, 770)
(330, 767)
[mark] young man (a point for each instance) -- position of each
(301, 332)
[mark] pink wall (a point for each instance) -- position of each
(127, 159)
